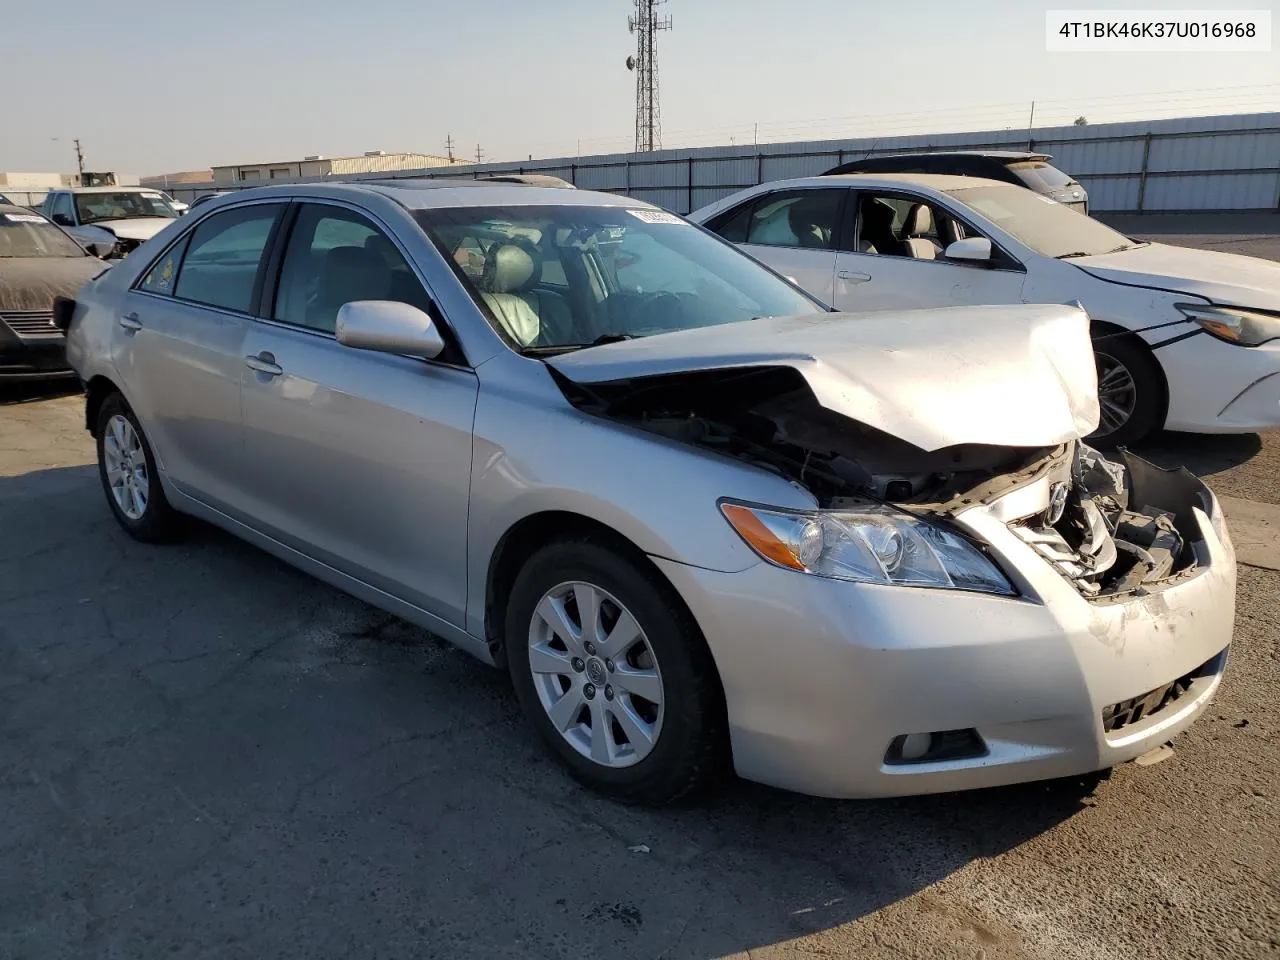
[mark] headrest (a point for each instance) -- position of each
(806, 212)
(346, 260)
(919, 220)
(510, 268)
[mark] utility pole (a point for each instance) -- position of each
(479, 154)
(448, 145)
(645, 24)
(79, 162)
(1031, 122)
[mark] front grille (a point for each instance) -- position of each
(1128, 712)
(31, 324)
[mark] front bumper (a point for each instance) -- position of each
(1217, 387)
(32, 359)
(820, 677)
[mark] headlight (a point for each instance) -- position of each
(1248, 328)
(871, 545)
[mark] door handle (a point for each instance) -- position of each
(853, 276)
(131, 322)
(264, 363)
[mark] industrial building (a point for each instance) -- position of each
(162, 181)
(373, 161)
(29, 189)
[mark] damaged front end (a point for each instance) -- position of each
(1109, 527)
(1117, 527)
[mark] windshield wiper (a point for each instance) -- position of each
(1078, 253)
(552, 349)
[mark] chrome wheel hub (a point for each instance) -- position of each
(1117, 393)
(595, 674)
(126, 466)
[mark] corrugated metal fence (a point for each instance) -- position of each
(1181, 165)
(1197, 163)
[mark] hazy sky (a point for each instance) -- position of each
(152, 87)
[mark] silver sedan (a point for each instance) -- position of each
(705, 523)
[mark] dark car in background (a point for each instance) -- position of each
(1030, 170)
(38, 262)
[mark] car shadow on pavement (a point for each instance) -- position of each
(206, 750)
(30, 391)
(1202, 454)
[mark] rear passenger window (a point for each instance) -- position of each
(732, 224)
(335, 256)
(224, 256)
(796, 218)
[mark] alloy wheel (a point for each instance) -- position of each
(595, 674)
(1117, 394)
(126, 465)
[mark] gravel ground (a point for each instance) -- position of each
(205, 754)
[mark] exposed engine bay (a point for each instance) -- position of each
(1111, 527)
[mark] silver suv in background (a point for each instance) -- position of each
(1026, 169)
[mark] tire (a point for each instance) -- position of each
(1128, 377)
(146, 516)
(689, 742)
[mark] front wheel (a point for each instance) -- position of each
(614, 674)
(127, 468)
(1131, 395)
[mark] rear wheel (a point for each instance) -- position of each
(1131, 396)
(127, 469)
(614, 674)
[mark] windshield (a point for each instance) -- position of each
(125, 205)
(560, 277)
(1044, 225)
(31, 235)
(1039, 175)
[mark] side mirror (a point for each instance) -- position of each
(388, 326)
(62, 220)
(971, 249)
(101, 248)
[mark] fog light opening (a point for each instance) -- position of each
(909, 748)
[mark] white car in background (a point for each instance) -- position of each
(1184, 339)
(115, 218)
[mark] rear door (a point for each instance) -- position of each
(794, 231)
(358, 459)
(181, 338)
(880, 270)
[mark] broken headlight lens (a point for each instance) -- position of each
(872, 545)
(1248, 328)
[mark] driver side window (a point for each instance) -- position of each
(897, 225)
(62, 212)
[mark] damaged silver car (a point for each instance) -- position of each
(704, 523)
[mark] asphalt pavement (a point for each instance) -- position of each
(205, 754)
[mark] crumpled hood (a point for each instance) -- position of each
(1015, 375)
(1226, 278)
(139, 228)
(31, 283)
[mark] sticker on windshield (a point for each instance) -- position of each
(152, 196)
(23, 218)
(655, 216)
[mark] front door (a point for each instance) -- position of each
(361, 460)
(895, 259)
(180, 337)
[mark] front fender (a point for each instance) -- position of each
(534, 453)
